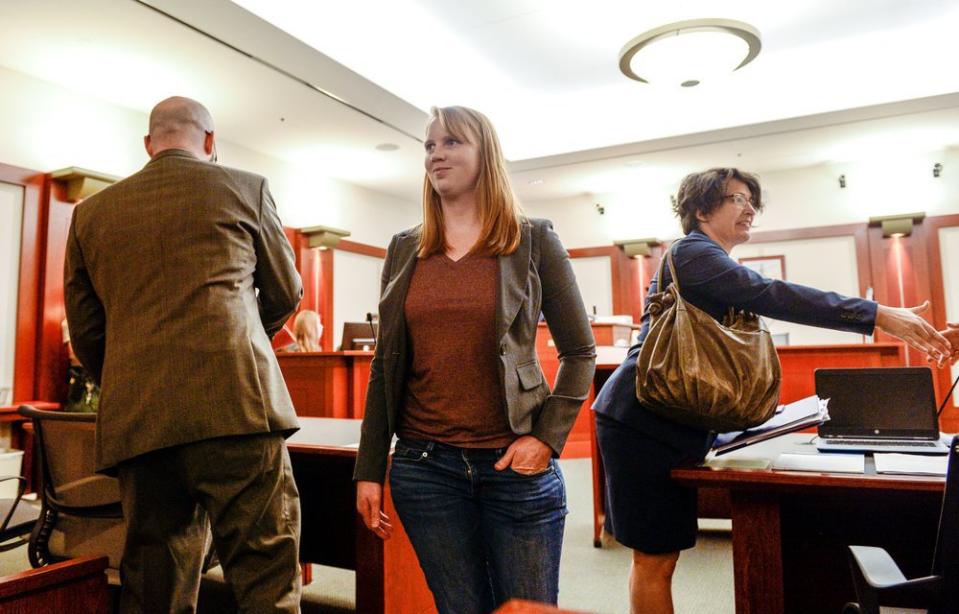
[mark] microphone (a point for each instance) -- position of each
(369, 320)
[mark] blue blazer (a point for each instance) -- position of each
(714, 282)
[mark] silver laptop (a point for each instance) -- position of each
(879, 410)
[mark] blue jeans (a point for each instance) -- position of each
(482, 536)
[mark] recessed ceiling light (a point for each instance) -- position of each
(689, 52)
(387, 147)
(535, 182)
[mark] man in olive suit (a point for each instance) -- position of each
(176, 278)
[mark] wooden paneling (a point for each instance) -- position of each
(327, 384)
(580, 443)
(52, 360)
(313, 265)
(949, 421)
(799, 363)
(360, 248)
(642, 271)
(903, 269)
(78, 586)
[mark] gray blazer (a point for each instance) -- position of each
(536, 278)
(175, 280)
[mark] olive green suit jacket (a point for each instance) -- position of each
(175, 280)
(536, 278)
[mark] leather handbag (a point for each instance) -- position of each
(698, 372)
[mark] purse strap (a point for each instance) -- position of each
(673, 278)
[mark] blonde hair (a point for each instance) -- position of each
(307, 329)
(499, 211)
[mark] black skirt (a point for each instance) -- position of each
(646, 509)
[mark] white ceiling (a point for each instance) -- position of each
(827, 86)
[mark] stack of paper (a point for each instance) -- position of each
(825, 463)
(911, 464)
(796, 416)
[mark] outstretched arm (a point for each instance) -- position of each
(906, 324)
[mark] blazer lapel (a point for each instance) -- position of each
(513, 281)
(394, 296)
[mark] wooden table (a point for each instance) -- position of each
(388, 575)
(791, 529)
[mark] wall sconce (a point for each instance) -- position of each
(842, 181)
(638, 247)
(324, 237)
(82, 183)
(936, 170)
(897, 225)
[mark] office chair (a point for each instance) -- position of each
(19, 517)
(878, 579)
(80, 510)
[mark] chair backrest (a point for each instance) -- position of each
(81, 513)
(945, 562)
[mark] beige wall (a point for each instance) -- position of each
(356, 290)
(46, 127)
(796, 198)
(828, 263)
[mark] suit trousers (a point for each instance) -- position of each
(242, 488)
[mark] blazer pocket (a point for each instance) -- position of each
(530, 375)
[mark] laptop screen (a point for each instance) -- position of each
(894, 402)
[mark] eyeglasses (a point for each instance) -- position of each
(741, 199)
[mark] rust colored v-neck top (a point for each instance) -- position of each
(453, 389)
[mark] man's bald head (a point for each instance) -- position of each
(180, 123)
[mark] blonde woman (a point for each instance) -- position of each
(455, 376)
(307, 330)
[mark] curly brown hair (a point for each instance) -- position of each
(703, 192)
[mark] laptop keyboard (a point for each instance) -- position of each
(878, 443)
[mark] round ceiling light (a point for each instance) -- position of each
(687, 53)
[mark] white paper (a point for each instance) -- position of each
(803, 408)
(825, 463)
(738, 463)
(911, 464)
(610, 354)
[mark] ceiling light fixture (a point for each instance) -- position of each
(687, 53)
(387, 147)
